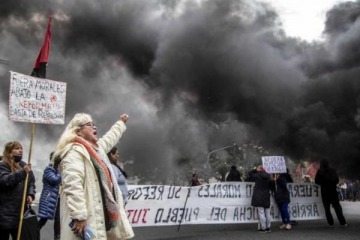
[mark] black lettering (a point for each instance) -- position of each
(137, 194)
(199, 191)
(152, 192)
(177, 193)
(146, 192)
(168, 216)
(161, 191)
(174, 217)
(249, 190)
(159, 214)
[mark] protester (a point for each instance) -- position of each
(327, 178)
(349, 190)
(338, 189)
(282, 199)
(234, 175)
(90, 197)
(261, 197)
(288, 176)
(49, 199)
(343, 188)
(289, 179)
(13, 173)
(194, 180)
(356, 189)
(120, 174)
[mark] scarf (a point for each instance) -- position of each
(107, 187)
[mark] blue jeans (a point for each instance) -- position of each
(284, 212)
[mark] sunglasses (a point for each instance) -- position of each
(89, 124)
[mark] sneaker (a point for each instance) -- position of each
(282, 226)
(288, 227)
(268, 230)
(262, 231)
(331, 225)
(343, 225)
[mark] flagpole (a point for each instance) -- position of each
(38, 71)
(26, 183)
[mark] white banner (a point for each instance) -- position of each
(274, 164)
(36, 100)
(218, 203)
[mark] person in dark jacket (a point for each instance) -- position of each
(234, 175)
(49, 199)
(288, 177)
(261, 197)
(282, 199)
(327, 178)
(13, 173)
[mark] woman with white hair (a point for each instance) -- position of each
(90, 196)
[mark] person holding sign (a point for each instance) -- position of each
(261, 197)
(282, 199)
(13, 173)
(90, 199)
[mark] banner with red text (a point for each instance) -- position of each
(218, 203)
(36, 100)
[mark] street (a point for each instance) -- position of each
(309, 230)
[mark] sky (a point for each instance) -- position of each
(304, 19)
(194, 76)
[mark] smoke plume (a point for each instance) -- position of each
(194, 76)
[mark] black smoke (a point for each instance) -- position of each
(193, 76)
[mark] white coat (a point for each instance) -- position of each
(80, 194)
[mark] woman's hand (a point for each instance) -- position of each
(29, 199)
(79, 227)
(27, 168)
(124, 117)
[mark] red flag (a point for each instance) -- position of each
(43, 57)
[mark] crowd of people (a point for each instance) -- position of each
(348, 190)
(85, 188)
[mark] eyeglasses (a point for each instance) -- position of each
(89, 124)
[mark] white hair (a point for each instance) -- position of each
(69, 134)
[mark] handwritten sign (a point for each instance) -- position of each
(36, 100)
(274, 164)
(218, 203)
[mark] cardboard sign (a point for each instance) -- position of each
(36, 100)
(274, 164)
